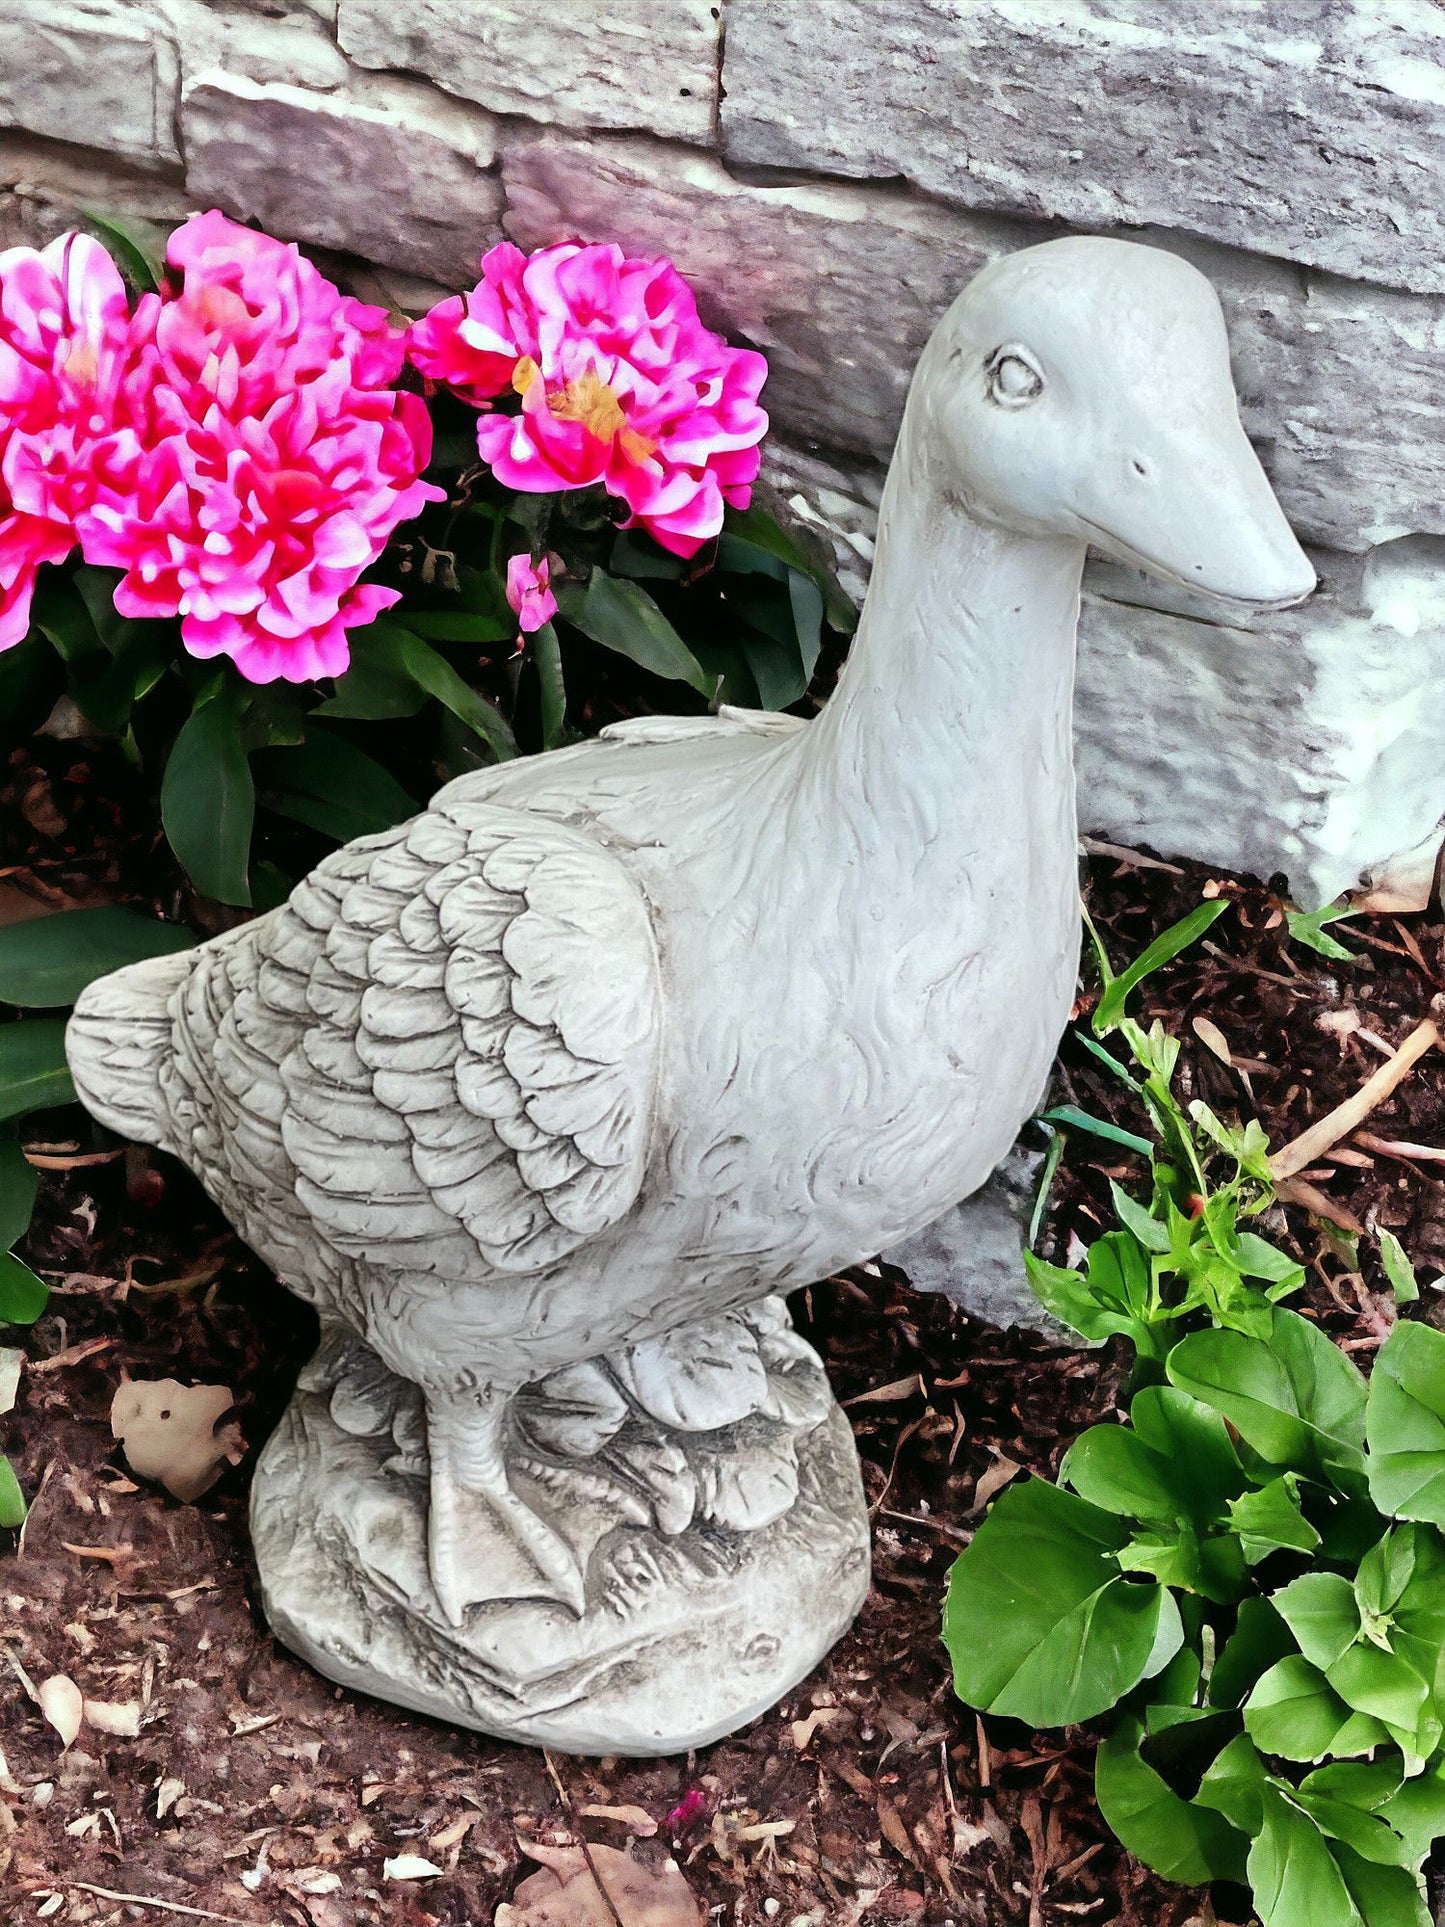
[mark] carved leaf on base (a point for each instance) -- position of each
(573, 1412)
(749, 1487)
(697, 1378)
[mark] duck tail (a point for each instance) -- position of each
(120, 1040)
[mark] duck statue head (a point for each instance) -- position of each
(1081, 390)
(546, 1097)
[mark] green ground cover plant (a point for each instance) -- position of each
(1247, 1572)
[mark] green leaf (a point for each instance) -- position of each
(624, 618)
(1383, 1896)
(1165, 947)
(1151, 1233)
(1322, 1612)
(48, 961)
(1176, 1462)
(19, 1181)
(457, 625)
(1270, 1520)
(1417, 1810)
(1387, 1688)
(23, 1296)
(1175, 1837)
(12, 1499)
(1295, 1713)
(1398, 1269)
(751, 536)
(208, 800)
(1040, 1623)
(138, 247)
(1293, 1396)
(33, 1071)
(368, 693)
(1296, 1880)
(1405, 1424)
(434, 674)
(331, 786)
(1066, 1295)
(1260, 1637)
(1307, 927)
(777, 667)
(1071, 1118)
(1234, 1784)
(547, 658)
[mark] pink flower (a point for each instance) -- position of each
(261, 457)
(63, 325)
(529, 591)
(620, 383)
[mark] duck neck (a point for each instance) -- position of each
(949, 737)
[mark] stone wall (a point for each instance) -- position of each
(829, 175)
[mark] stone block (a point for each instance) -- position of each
(399, 178)
(841, 286)
(1311, 133)
(45, 189)
(624, 63)
(1307, 741)
(974, 1254)
(78, 72)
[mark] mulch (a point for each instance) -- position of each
(256, 1792)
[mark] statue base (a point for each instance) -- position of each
(720, 1565)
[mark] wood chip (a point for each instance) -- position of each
(11, 1361)
(1347, 1117)
(122, 1719)
(409, 1866)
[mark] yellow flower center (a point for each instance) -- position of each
(588, 400)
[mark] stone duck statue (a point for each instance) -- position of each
(543, 1097)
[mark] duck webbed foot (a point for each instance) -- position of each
(483, 1541)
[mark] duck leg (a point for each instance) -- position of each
(484, 1542)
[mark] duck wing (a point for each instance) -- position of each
(729, 721)
(473, 1084)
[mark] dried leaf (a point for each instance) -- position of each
(169, 1433)
(167, 1793)
(61, 1701)
(636, 1819)
(566, 1893)
(803, 1730)
(11, 1360)
(1213, 1038)
(993, 1480)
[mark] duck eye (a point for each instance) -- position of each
(1013, 379)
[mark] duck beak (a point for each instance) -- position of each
(1189, 503)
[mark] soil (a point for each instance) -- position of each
(255, 1792)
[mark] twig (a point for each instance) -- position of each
(1318, 1203)
(1399, 1147)
(1093, 846)
(1344, 1118)
(149, 1900)
(566, 1798)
